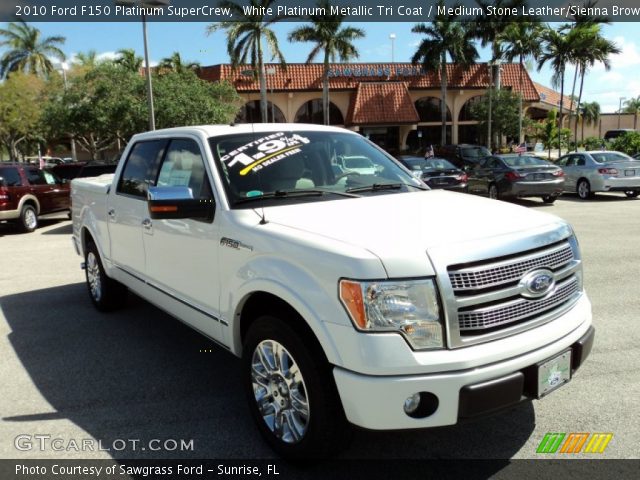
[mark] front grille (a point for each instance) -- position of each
(506, 271)
(515, 310)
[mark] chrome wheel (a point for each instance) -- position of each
(279, 391)
(584, 190)
(94, 276)
(30, 219)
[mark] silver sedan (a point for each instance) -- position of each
(600, 171)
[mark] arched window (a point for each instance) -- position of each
(465, 111)
(250, 113)
(311, 112)
(429, 110)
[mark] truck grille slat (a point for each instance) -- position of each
(515, 310)
(491, 275)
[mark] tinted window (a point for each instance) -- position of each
(141, 167)
(183, 166)
(605, 157)
(474, 152)
(439, 164)
(10, 177)
(36, 177)
(523, 161)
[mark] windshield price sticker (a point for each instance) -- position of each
(264, 151)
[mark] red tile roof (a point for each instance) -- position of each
(551, 97)
(381, 103)
(304, 77)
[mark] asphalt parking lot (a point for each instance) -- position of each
(70, 372)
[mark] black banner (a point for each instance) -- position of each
(295, 10)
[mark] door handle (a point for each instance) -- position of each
(111, 212)
(146, 224)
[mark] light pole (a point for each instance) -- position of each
(620, 109)
(65, 67)
(146, 4)
(392, 37)
(272, 71)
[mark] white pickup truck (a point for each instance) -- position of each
(352, 298)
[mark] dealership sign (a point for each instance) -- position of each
(376, 71)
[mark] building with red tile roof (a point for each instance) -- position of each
(395, 104)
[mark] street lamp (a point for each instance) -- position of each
(272, 71)
(146, 4)
(620, 109)
(392, 37)
(65, 67)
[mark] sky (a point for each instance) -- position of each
(189, 38)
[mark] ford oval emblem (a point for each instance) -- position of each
(537, 283)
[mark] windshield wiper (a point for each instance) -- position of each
(291, 194)
(376, 187)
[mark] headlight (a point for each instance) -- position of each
(575, 247)
(409, 307)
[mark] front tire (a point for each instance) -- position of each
(584, 189)
(106, 294)
(28, 218)
(291, 392)
(632, 193)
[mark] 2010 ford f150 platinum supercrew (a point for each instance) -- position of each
(352, 297)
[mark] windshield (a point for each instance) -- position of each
(286, 164)
(605, 157)
(475, 152)
(523, 161)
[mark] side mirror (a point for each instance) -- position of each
(178, 202)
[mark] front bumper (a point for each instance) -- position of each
(377, 402)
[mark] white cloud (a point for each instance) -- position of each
(107, 56)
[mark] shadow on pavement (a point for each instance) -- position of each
(599, 197)
(10, 228)
(140, 374)
(62, 230)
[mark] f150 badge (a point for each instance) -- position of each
(236, 244)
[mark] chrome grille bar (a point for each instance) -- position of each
(521, 308)
(511, 270)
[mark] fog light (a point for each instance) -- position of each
(412, 403)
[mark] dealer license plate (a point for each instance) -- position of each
(629, 173)
(554, 373)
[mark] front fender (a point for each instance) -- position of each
(315, 303)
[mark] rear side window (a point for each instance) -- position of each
(141, 168)
(36, 177)
(10, 177)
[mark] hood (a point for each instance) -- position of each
(400, 227)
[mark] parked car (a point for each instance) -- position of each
(436, 172)
(517, 176)
(463, 155)
(376, 301)
(27, 192)
(600, 171)
(611, 134)
(358, 164)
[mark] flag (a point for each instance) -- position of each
(429, 153)
(521, 148)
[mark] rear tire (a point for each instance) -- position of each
(106, 294)
(28, 218)
(584, 189)
(549, 198)
(291, 392)
(493, 192)
(632, 193)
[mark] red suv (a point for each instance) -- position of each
(27, 192)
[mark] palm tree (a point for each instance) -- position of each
(520, 40)
(590, 114)
(559, 48)
(128, 60)
(592, 48)
(326, 33)
(86, 59)
(176, 64)
(633, 106)
(444, 36)
(244, 40)
(27, 52)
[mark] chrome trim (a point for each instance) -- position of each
(515, 310)
(505, 271)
